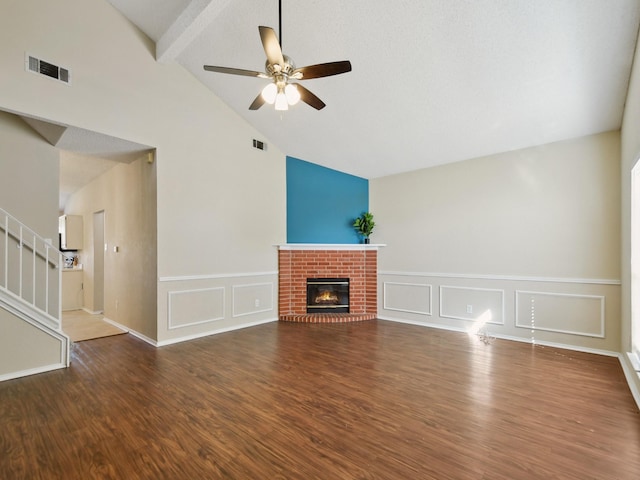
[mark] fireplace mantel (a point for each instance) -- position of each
(330, 246)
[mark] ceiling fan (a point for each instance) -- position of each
(280, 69)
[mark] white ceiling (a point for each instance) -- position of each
(77, 170)
(433, 81)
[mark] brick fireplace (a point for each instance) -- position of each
(298, 262)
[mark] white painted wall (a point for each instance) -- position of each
(29, 191)
(26, 349)
(221, 203)
(538, 227)
(630, 153)
(29, 170)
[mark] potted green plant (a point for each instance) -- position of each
(363, 225)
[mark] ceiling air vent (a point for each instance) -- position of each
(48, 69)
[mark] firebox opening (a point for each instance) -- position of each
(327, 295)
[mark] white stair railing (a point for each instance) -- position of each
(30, 268)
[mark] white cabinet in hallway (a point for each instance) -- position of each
(72, 289)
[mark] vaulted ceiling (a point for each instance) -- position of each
(433, 81)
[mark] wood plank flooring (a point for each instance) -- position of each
(367, 400)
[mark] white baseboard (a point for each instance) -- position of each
(136, 334)
(634, 360)
(423, 324)
(144, 338)
(632, 376)
(32, 371)
(213, 332)
(186, 338)
(564, 346)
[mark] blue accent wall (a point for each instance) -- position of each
(323, 203)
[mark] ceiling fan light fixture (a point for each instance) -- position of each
(292, 94)
(281, 101)
(280, 69)
(269, 93)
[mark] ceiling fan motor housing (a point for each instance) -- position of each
(286, 69)
(280, 69)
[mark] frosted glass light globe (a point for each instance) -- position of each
(281, 101)
(292, 94)
(269, 93)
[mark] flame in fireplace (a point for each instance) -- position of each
(326, 296)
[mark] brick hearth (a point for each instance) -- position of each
(359, 263)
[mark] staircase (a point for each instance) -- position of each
(32, 340)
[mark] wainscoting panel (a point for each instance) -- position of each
(577, 313)
(252, 298)
(467, 303)
(407, 297)
(559, 312)
(193, 307)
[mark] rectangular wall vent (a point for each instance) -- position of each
(259, 145)
(48, 69)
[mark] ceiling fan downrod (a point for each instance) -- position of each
(280, 22)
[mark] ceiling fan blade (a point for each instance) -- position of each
(236, 71)
(323, 69)
(271, 46)
(309, 98)
(257, 103)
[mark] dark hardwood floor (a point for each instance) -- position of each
(369, 400)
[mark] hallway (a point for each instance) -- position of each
(80, 325)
